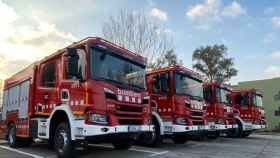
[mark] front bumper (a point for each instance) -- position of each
(215, 127)
(83, 130)
(184, 129)
(258, 126)
(250, 126)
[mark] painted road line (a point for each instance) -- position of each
(153, 153)
(20, 152)
(2, 141)
(160, 153)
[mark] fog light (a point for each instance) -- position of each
(99, 118)
(104, 129)
(181, 121)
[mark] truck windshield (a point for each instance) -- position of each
(107, 65)
(257, 100)
(187, 85)
(223, 95)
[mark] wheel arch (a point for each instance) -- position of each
(159, 121)
(60, 114)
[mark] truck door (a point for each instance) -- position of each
(46, 94)
(161, 92)
(73, 85)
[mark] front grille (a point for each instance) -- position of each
(197, 113)
(198, 123)
(130, 122)
(129, 115)
(125, 108)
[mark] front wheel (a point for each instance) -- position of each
(213, 134)
(236, 132)
(246, 134)
(152, 139)
(63, 144)
(122, 144)
(179, 139)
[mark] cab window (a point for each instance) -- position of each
(160, 83)
(207, 94)
(49, 75)
(81, 71)
(242, 100)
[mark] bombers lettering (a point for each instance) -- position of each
(128, 93)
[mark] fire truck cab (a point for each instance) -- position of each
(221, 114)
(91, 91)
(177, 104)
(249, 104)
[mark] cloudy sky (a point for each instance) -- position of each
(32, 29)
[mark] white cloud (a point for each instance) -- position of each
(208, 8)
(233, 10)
(21, 44)
(269, 38)
(164, 31)
(275, 55)
(275, 21)
(160, 14)
(7, 16)
(272, 71)
(205, 14)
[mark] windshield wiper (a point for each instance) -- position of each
(194, 97)
(198, 98)
(111, 80)
(135, 86)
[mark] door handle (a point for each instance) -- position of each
(46, 97)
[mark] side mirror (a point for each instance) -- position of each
(73, 63)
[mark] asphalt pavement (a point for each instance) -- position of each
(255, 146)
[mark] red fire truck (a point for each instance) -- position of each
(91, 91)
(248, 102)
(177, 104)
(221, 115)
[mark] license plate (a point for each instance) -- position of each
(248, 126)
(200, 127)
(134, 128)
(168, 128)
(212, 126)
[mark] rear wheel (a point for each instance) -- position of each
(179, 139)
(123, 144)
(12, 139)
(63, 144)
(152, 139)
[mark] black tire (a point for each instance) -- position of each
(152, 139)
(11, 136)
(123, 144)
(213, 135)
(239, 131)
(25, 142)
(246, 134)
(63, 145)
(179, 139)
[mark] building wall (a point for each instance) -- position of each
(1, 92)
(271, 99)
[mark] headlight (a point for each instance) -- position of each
(99, 119)
(181, 121)
(220, 121)
(110, 94)
(146, 100)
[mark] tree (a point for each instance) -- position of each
(168, 59)
(212, 61)
(138, 33)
